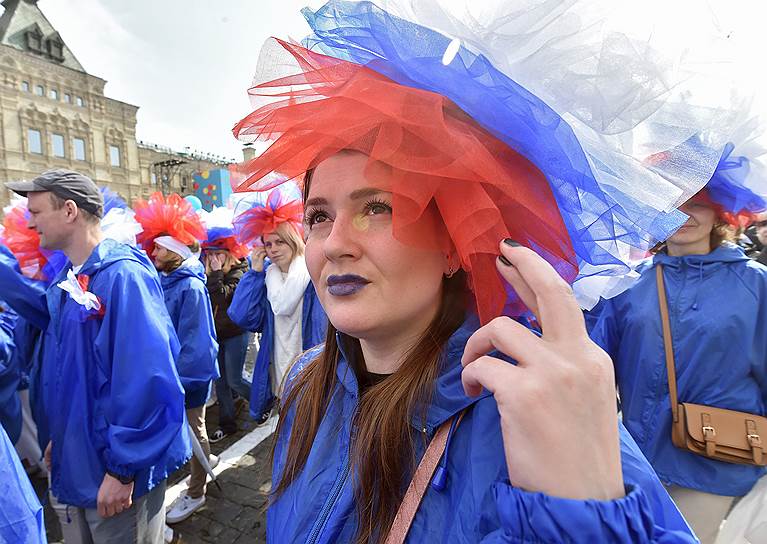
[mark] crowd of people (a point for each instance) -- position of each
(414, 251)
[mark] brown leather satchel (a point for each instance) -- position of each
(717, 433)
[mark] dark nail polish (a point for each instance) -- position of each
(504, 260)
(512, 243)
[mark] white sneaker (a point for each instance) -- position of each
(183, 508)
(168, 534)
(213, 461)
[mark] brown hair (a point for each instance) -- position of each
(383, 446)
(176, 260)
(382, 449)
(59, 202)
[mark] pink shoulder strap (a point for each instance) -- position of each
(423, 474)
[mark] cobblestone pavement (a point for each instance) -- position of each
(233, 515)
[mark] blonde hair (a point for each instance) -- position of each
(289, 234)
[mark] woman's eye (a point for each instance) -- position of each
(376, 208)
(313, 218)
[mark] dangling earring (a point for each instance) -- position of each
(452, 269)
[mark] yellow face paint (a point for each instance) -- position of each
(361, 222)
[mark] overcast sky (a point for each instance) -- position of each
(188, 63)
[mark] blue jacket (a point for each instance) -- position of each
(21, 516)
(250, 310)
(10, 377)
(188, 303)
(27, 298)
(718, 314)
(116, 402)
(478, 503)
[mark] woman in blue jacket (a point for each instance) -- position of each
(182, 277)
(717, 304)
(410, 422)
(275, 298)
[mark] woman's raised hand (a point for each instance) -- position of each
(257, 257)
(557, 405)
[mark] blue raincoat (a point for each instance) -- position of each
(21, 516)
(250, 310)
(27, 298)
(10, 377)
(116, 400)
(718, 313)
(188, 303)
(478, 503)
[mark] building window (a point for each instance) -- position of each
(54, 94)
(34, 41)
(57, 143)
(39, 90)
(79, 101)
(114, 155)
(154, 178)
(67, 98)
(79, 149)
(35, 141)
(55, 49)
(25, 86)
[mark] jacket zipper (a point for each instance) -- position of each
(319, 525)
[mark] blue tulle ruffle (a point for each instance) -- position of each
(596, 218)
(727, 186)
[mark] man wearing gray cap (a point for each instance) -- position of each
(116, 405)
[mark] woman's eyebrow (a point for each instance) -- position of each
(317, 201)
(366, 192)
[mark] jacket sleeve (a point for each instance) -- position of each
(10, 377)
(22, 514)
(222, 286)
(197, 362)
(605, 332)
(25, 296)
(249, 304)
(646, 514)
(137, 348)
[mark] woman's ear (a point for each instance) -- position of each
(452, 263)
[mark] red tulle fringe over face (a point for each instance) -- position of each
(173, 216)
(228, 243)
(24, 243)
(454, 184)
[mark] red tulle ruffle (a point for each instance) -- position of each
(454, 184)
(24, 243)
(173, 216)
(228, 243)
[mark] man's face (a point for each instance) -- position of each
(164, 260)
(53, 226)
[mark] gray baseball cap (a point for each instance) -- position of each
(66, 184)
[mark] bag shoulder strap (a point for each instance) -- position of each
(420, 482)
(667, 343)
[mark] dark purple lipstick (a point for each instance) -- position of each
(345, 285)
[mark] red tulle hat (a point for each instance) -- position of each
(24, 243)
(454, 184)
(173, 216)
(262, 219)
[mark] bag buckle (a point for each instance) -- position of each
(709, 433)
(754, 440)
